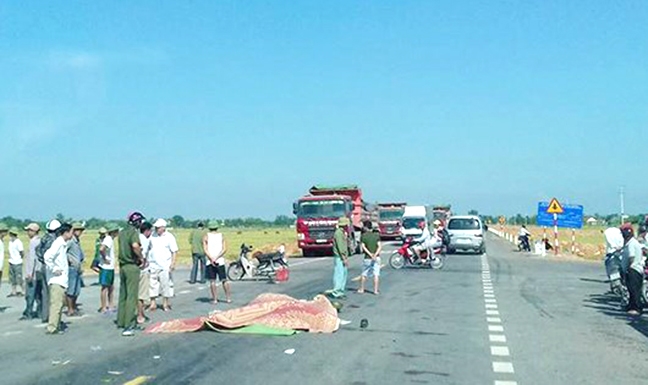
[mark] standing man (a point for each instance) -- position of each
(75, 274)
(3, 232)
(162, 260)
(144, 294)
(107, 269)
(198, 254)
(56, 263)
(215, 246)
(31, 267)
(96, 261)
(130, 261)
(371, 247)
(634, 267)
(16, 252)
(340, 258)
(42, 286)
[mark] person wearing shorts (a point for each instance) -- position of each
(215, 248)
(162, 260)
(144, 294)
(371, 248)
(107, 270)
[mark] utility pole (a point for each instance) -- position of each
(622, 198)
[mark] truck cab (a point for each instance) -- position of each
(390, 219)
(318, 214)
(413, 216)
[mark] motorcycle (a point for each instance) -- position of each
(272, 266)
(406, 256)
(524, 244)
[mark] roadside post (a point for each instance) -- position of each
(553, 213)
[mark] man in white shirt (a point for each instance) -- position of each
(215, 248)
(56, 263)
(162, 259)
(3, 233)
(16, 251)
(107, 269)
(146, 229)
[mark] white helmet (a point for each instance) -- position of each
(53, 225)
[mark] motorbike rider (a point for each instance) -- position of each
(441, 233)
(634, 267)
(424, 242)
(613, 248)
(523, 237)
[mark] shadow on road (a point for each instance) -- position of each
(609, 305)
(4, 308)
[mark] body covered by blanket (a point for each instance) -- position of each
(270, 311)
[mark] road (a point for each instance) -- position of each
(503, 318)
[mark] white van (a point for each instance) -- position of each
(466, 234)
(412, 218)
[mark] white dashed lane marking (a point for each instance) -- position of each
(497, 338)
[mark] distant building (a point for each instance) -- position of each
(591, 221)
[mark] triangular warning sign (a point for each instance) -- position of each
(555, 207)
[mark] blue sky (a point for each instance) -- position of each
(230, 108)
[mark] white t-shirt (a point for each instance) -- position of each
(56, 261)
(2, 251)
(215, 248)
(109, 243)
(613, 240)
(162, 249)
(15, 248)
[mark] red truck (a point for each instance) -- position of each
(318, 214)
(442, 213)
(390, 218)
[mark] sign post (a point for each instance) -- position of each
(555, 208)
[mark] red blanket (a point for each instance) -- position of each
(269, 310)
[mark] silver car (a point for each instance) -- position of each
(466, 234)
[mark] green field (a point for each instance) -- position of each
(263, 239)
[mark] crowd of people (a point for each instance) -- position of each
(625, 264)
(145, 254)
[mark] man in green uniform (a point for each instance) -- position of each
(341, 258)
(371, 248)
(198, 254)
(130, 260)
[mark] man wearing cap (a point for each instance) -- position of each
(198, 254)
(341, 258)
(56, 263)
(215, 247)
(31, 267)
(96, 261)
(162, 260)
(16, 251)
(42, 286)
(107, 269)
(75, 274)
(130, 261)
(3, 232)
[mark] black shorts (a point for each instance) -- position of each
(214, 272)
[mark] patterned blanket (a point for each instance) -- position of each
(272, 312)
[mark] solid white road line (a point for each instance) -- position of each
(503, 367)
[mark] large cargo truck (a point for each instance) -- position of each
(319, 212)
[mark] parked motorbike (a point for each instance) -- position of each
(524, 243)
(268, 266)
(406, 256)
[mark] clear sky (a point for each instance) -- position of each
(234, 108)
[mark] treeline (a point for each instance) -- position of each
(611, 219)
(176, 221)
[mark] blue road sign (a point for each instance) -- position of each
(572, 218)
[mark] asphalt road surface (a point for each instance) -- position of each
(503, 318)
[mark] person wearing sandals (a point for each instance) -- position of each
(162, 260)
(371, 248)
(215, 247)
(107, 270)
